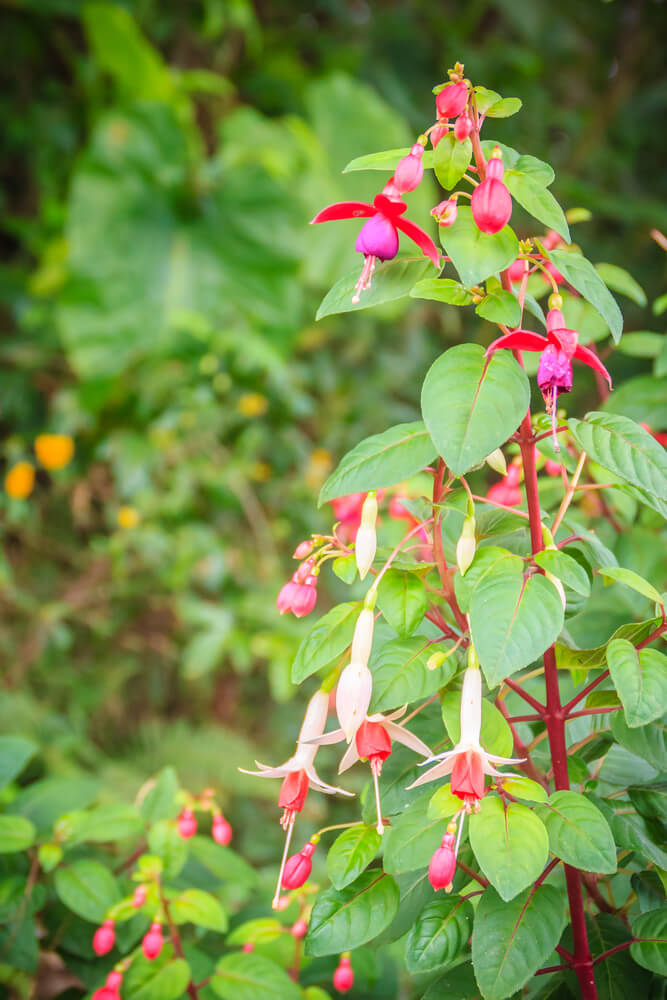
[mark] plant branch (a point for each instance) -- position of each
(533, 702)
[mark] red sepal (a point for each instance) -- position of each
(389, 206)
(518, 340)
(422, 239)
(344, 210)
(591, 359)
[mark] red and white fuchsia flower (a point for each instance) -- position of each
(558, 349)
(378, 238)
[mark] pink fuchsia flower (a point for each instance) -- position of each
(378, 238)
(303, 549)
(221, 830)
(558, 349)
(468, 762)
(299, 595)
(343, 977)
(491, 202)
(451, 100)
(298, 868)
(347, 511)
(410, 170)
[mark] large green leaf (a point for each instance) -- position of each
(474, 254)
(514, 618)
(403, 601)
(121, 50)
(16, 833)
(510, 844)
(471, 404)
(647, 742)
(165, 978)
(500, 306)
(327, 639)
(650, 948)
(640, 677)
(510, 941)
(15, 752)
(194, 906)
(242, 976)
(442, 290)
(536, 199)
(451, 160)
(582, 275)
(87, 888)
(566, 569)
(440, 934)
(625, 448)
(381, 460)
(618, 279)
(628, 577)
(161, 801)
(400, 674)
(106, 823)
(578, 832)
(596, 658)
(412, 838)
(351, 853)
(391, 280)
(387, 159)
(344, 919)
(458, 983)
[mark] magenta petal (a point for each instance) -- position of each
(422, 239)
(591, 359)
(344, 210)
(518, 340)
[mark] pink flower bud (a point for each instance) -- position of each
(373, 742)
(443, 865)
(104, 938)
(303, 549)
(552, 468)
(303, 571)
(451, 100)
(446, 211)
(114, 979)
(298, 868)
(152, 942)
(286, 595)
(248, 947)
(463, 127)
(139, 897)
(378, 238)
(516, 270)
(343, 977)
(438, 133)
(299, 929)
(305, 598)
(105, 993)
(551, 240)
(554, 272)
(221, 831)
(491, 204)
(187, 824)
(410, 170)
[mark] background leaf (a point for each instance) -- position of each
(510, 843)
(343, 920)
(640, 677)
(440, 934)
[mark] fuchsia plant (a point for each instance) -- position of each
(552, 870)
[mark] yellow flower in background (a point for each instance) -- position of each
(127, 517)
(20, 480)
(252, 404)
(260, 472)
(54, 451)
(319, 467)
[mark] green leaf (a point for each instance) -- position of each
(537, 200)
(440, 934)
(524, 788)
(513, 618)
(402, 599)
(16, 833)
(87, 888)
(617, 977)
(485, 99)
(619, 280)
(381, 460)
(647, 742)
(510, 844)
(471, 404)
(443, 803)
(351, 853)
(385, 160)
(106, 823)
(194, 906)
(259, 931)
(621, 445)
(345, 567)
(616, 574)
(242, 976)
(640, 677)
(392, 280)
(477, 255)
(504, 108)
(15, 752)
(165, 841)
(510, 941)
(451, 160)
(400, 674)
(565, 568)
(344, 919)
(412, 838)
(594, 659)
(121, 50)
(442, 290)
(458, 983)
(500, 306)
(328, 638)
(496, 735)
(643, 344)
(578, 832)
(43, 802)
(165, 978)
(650, 950)
(161, 800)
(582, 275)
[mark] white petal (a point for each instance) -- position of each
(350, 757)
(471, 706)
(315, 718)
(503, 760)
(353, 696)
(266, 772)
(327, 739)
(439, 771)
(363, 637)
(321, 786)
(364, 549)
(407, 738)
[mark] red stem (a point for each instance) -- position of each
(533, 702)
(582, 694)
(612, 951)
(594, 711)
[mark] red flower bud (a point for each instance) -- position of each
(104, 938)
(152, 942)
(187, 824)
(343, 977)
(139, 897)
(105, 993)
(248, 947)
(491, 205)
(438, 133)
(303, 549)
(451, 100)
(445, 212)
(552, 468)
(221, 831)
(305, 599)
(410, 170)
(298, 868)
(114, 979)
(443, 864)
(516, 270)
(299, 929)
(463, 127)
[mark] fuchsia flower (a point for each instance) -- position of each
(463, 127)
(491, 201)
(153, 941)
(221, 830)
(187, 824)
(347, 510)
(558, 349)
(298, 868)
(438, 133)
(443, 863)
(445, 212)
(378, 238)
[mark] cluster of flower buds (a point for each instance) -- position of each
(221, 830)
(111, 989)
(299, 595)
(343, 977)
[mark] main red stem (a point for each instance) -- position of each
(554, 718)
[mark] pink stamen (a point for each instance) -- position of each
(365, 278)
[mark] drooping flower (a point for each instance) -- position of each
(558, 349)
(299, 595)
(445, 212)
(438, 133)
(463, 127)
(298, 868)
(443, 862)
(468, 762)
(378, 238)
(410, 169)
(491, 202)
(451, 100)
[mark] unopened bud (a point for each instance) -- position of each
(366, 540)
(496, 460)
(443, 865)
(298, 868)
(362, 640)
(466, 545)
(343, 977)
(303, 549)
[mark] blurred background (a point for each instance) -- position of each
(161, 162)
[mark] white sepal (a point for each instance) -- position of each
(471, 707)
(362, 640)
(353, 696)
